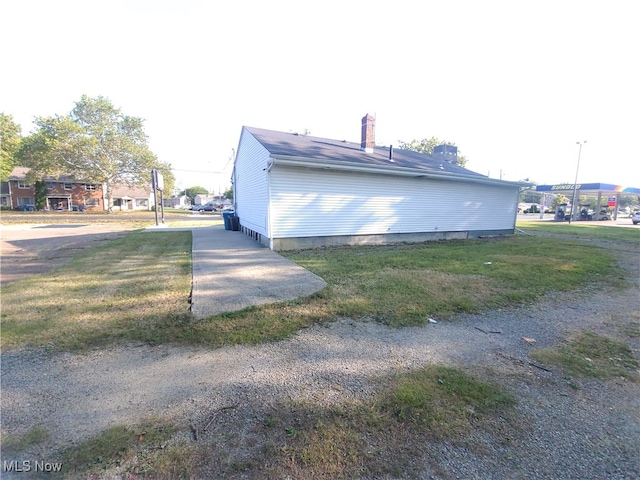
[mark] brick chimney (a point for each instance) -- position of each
(368, 133)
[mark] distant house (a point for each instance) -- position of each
(294, 191)
(201, 199)
(177, 201)
(132, 198)
(67, 193)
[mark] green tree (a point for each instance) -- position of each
(426, 145)
(191, 192)
(40, 194)
(95, 143)
(10, 138)
(228, 193)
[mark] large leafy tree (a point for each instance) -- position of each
(426, 145)
(95, 143)
(10, 138)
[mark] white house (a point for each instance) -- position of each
(177, 201)
(202, 198)
(132, 198)
(294, 191)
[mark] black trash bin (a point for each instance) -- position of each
(226, 216)
(235, 223)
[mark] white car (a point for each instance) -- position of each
(635, 217)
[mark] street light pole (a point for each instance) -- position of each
(575, 183)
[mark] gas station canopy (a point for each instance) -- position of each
(612, 192)
(582, 188)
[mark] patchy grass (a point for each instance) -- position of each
(376, 437)
(583, 231)
(590, 355)
(141, 450)
(134, 289)
(17, 443)
(382, 436)
(129, 289)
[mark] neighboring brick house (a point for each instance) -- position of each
(63, 193)
(67, 193)
(5, 195)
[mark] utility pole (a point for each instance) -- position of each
(575, 183)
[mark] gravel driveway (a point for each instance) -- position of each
(572, 428)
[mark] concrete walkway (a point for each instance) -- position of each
(232, 271)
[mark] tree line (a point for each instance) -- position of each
(95, 143)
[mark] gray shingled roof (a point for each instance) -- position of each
(306, 146)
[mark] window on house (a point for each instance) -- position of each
(21, 184)
(68, 186)
(90, 188)
(142, 202)
(92, 202)
(51, 185)
(4, 201)
(25, 201)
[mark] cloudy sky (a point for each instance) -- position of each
(515, 84)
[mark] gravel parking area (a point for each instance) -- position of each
(570, 428)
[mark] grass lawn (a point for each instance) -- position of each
(582, 231)
(132, 289)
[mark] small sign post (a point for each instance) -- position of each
(157, 182)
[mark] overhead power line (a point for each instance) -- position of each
(196, 171)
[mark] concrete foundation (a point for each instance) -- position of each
(298, 243)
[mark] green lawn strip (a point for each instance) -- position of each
(591, 355)
(136, 288)
(405, 284)
(584, 231)
(134, 218)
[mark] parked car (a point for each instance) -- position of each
(207, 207)
(635, 217)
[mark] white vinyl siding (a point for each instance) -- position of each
(251, 189)
(309, 202)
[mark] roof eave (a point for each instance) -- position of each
(388, 170)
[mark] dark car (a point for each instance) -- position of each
(208, 207)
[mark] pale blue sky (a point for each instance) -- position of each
(514, 84)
